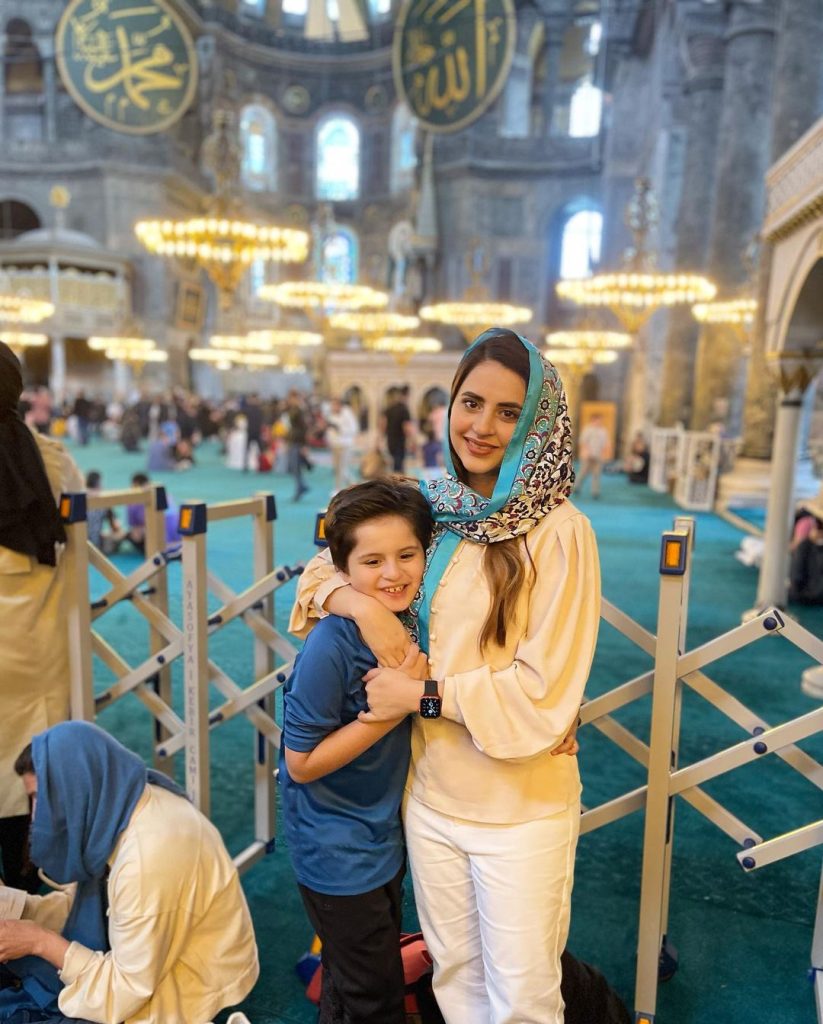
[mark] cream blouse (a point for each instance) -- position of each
(487, 759)
(181, 936)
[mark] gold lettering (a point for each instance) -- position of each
(459, 90)
(480, 47)
(136, 77)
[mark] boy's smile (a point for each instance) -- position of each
(387, 561)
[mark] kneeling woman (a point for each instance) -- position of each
(154, 928)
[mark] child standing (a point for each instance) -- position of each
(343, 779)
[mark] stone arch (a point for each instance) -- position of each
(16, 218)
(797, 268)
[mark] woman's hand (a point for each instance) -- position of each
(382, 631)
(568, 744)
(395, 692)
(25, 938)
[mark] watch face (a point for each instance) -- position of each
(429, 707)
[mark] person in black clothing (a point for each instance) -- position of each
(296, 442)
(82, 411)
(397, 426)
(253, 412)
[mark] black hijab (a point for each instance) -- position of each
(29, 521)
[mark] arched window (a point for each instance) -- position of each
(258, 134)
(580, 246)
(294, 6)
(24, 69)
(338, 159)
(340, 256)
(16, 218)
(380, 8)
(253, 6)
(578, 101)
(257, 277)
(584, 111)
(403, 153)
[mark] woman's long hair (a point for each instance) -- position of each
(503, 564)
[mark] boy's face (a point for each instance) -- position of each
(387, 561)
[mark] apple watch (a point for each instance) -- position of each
(430, 702)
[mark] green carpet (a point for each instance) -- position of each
(744, 940)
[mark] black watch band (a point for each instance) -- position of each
(430, 702)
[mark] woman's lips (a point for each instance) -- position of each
(478, 448)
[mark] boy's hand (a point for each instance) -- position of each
(382, 631)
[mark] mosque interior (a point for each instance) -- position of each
(335, 196)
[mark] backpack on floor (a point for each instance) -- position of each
(421, 1007)
(588, 996)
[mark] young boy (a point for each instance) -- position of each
(342, 779)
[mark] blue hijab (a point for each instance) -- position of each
(88, 785)
(535, 476)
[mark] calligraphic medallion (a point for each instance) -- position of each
(130, 65)
(452, 58)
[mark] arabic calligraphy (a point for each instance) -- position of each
(130, 64)
(451, 58)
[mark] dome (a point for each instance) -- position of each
(63, 238)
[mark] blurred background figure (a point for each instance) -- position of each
(35, 665)
(341, 435)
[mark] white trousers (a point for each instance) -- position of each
(494, 903)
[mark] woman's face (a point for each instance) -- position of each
(482, 421)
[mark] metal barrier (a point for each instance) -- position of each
(656, 957)
(150, 681)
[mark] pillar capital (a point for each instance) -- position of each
(794, 369)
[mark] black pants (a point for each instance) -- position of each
(15, 867)
(362, 970)
(398, 459)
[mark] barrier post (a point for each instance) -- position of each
(193, 523)
(674, 560)
(817, 954)
(73, 513)
(668, 954)
(264, 785)
(159, 597)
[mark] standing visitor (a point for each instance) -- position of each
(297, 433)
(508, 615)
(34, 677)
(595, 445)
(397, 427)
(341, 434)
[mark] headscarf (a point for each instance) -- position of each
(88, 785)
(536, 475)
(29, 520)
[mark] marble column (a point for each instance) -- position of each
(737, 212)
(702, 54)
(796, 369)
(798, 87)
(57, 370)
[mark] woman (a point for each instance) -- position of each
(34, 649)
(508, 613)
(154, 928)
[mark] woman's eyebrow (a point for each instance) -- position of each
(500, 405)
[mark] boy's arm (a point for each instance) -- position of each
(339, 748)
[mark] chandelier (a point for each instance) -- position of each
(474, 312)
(19, 340)
(734, 312)
(269, 339)
(321, 295)
(589, 340)
(226, 358)
(634, 293)
(221, 242)
(580, 358)
(128, 350)
(404, 346)
(372, 323)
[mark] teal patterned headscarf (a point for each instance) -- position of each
(535, 476)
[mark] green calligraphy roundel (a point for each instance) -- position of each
(129, 64)
(451, 58)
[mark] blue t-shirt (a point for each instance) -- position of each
(343, 831)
